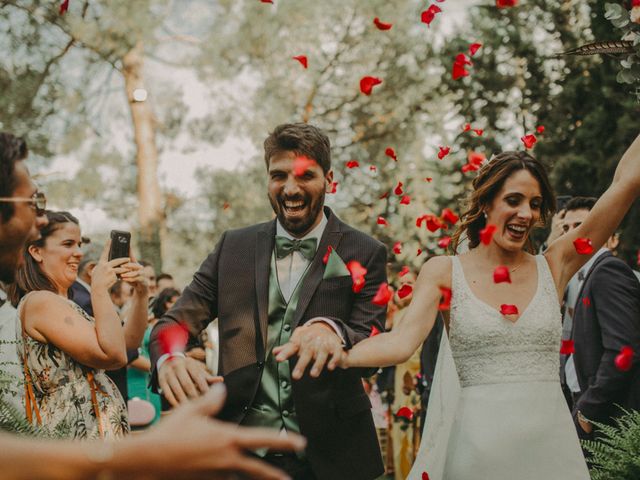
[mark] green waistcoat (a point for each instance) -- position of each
(273, 405)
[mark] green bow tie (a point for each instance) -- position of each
(307, 247)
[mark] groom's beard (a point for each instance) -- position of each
(298, 224)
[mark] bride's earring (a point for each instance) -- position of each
(485, 216)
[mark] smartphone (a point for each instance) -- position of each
(119, 244)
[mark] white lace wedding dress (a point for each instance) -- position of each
(497, 411)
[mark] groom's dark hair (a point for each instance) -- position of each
(302, 139)
(580, 203)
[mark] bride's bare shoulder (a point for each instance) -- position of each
(437, 270)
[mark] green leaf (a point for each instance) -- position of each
(613, 11)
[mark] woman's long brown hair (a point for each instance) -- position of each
(486, 186)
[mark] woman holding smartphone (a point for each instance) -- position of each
(65, 351)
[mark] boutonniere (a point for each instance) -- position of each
(335, 266)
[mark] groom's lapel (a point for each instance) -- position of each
(330, 237)
(265, 239)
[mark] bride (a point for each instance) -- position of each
(496, 410)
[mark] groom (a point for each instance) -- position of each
(265, 280)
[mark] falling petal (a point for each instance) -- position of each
(398, 190)
(445, 301)
(302, 59)
(382, 297)
(529, 140)
(583, 246)
(444, 151)
(406, 200)
(567, 347)
(448, 216)
(173, 339)
(64, 6)
(403, 271)
(506, 309)
(397, 248)
(444, 242)
(404, 291)
(390, 152)
(381, 25)
(367, 84)
(382, 221)
(473, 48)
(357, 275)
(301, 164)
(353, 164)
(501, 274)
(486, 234)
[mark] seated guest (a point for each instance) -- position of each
(603, 311)
(65, 349)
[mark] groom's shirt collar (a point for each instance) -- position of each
(317, 231)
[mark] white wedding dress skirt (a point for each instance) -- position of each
(496, 409)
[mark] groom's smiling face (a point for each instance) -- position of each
(296, 192)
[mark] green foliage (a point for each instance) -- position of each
(615, 455)
(620, 17)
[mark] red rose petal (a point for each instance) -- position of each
(382, 221)
(429, 14)
(469, 168)
(445, 301)
(404, 291)
(406, 200)
(540, 129)
(624, 359)
(444, 151)
(506, 3)
(501, 274)
(398, 190)
(352, 164)
(397, 248)
(384, 195)
(404, 271)
(367, 84)
(506, 309)
(302, 59)
(405, 412)
(448, 216)
(390, 152)
(430, 179)
(458, 71)
(333, 188)
(373, 168)
(382, 25)
(586, 302)
(301, 164)
(357, 275)
(473, 48)
(444, 242)
(486, 234)
(529, 140)
(374, 331)
(266, 1)
(64, 6)
(434, 223)
(173, 339)
(567, 347)
(382, 297)
(466, 127)
(478, 131)
(325, 259)
(425, 476)
(419, 252)
(476, 158)
(583, 246)
(462, 59)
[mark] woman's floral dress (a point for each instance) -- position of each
(70, 399)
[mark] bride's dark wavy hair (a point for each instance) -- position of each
(486, 186)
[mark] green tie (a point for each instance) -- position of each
(307, 247)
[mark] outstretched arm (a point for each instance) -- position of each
(397, 345)
(603, 219)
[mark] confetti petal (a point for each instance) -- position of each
(468, 167)
(583, 246)
(586, 302)
(567, 347)
(466, 127)
(444, 151)
(390, 152)
(478, 131)
(458, 71)
(381, 25)
(406, 200)
(529, 140)
(445, 300)
(448, 216)
(64, 6)
(434, 223)
(476, 158)
(397, 248)
(425, 476)
(301, 164)
(267, 1)
(325, 259)
(506, 309)
(404, 291)
(429, 14)
(352, 164)
(373, 168)
(444, 242)
(506, 3)
(367, 84)
(374, 331)
(405, 412)
(382, 297)
(398, 190)
(333, 188)
(403, 271)
(173, 339)
(540, 129)
(302, 59)
(486, 234)
(501, 274)
(382, 221)
(430, 179)
(473, 48)
(357, 275)
(419, 252)
(624, 359)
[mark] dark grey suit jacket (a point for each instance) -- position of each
(233, 284)
(609, 321)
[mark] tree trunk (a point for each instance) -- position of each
(149, 198)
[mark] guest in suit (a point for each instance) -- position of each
(265, 280)
(603, 301)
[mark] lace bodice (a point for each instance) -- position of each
(487, 348)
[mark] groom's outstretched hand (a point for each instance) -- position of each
(317, 343)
